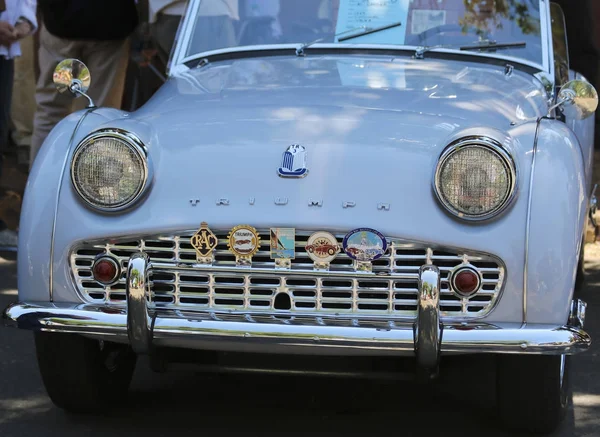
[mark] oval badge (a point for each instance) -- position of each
(364, 244)
(243, 241)
(322, 247)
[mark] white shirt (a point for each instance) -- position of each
(14, 10)
(169, 7)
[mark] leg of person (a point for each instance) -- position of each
(52, 106)
(23, 102)
(107, 62)
(6, 79)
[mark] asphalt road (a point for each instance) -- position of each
(188, 402)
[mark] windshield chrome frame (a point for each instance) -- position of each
(179, 59)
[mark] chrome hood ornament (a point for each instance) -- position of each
(293, 164)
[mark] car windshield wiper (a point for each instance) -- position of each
(364, 31)
(369, 30)
(484, 46)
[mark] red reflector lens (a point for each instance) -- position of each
(466, 282)
(105, 270)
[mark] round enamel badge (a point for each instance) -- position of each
(322, 247)
(243, 241)
(364, 244)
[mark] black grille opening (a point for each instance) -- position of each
(162, 276)
(283, 302)
(260, 292)
(89, 252)
(405, 307)
(161, 244)
(163, 288)
(494, 276)
(336, 305)
(265, 281)
(162, 299)
(96, 296)
(90, 284)
(302, 282)
(305, 304)
(200, 290)
(194, 300)
(160, 255)
(480, 298)
(118, 297)
(340, 283)
(406, 285)
(233, 291)
(259, 303)
(194, 279)
(229, 280)
(304, 293)
(123, 253)
(118, 287)
(85, 274)
(83, 262)
(363, 295)
(372, 306)
(485, 264)
(489, 287)
(338, 294)
(373, 284)
(232, 302)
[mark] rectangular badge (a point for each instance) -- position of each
(283, 243)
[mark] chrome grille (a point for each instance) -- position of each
(177, 282)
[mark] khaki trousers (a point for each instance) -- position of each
(23, 101)
(107, 62)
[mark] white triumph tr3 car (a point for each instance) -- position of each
(391, 179)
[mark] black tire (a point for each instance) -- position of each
(532, 392)
(83, 375)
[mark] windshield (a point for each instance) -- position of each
(221, 24)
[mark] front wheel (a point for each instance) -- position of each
(532, 392)
(83, 375)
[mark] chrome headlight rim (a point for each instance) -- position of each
(135, 144)
(495, 147)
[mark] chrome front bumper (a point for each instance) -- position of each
(144, 328)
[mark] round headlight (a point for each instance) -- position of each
(475, 178)
(109, 169)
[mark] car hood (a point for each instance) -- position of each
(334, 94)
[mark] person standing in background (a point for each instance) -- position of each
(17, 20)
(164, 17)
(23, 101)
(97, 33)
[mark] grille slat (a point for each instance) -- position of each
(390, 291)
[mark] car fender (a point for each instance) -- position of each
(38, 210)
(557, 212)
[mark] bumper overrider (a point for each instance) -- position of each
(145, 327)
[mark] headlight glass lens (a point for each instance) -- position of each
(475, 181)
(109, 172)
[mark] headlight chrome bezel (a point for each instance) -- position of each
(135, 144)
(485, 143)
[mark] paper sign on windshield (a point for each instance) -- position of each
(355, 14)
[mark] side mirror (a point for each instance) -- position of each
(72, 75)
(578, 99)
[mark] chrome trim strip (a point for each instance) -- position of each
(428, 327)
(139, 322)
(528, 220)
(136, 145)
(485, 142)
(58, 192)
(215, 332)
